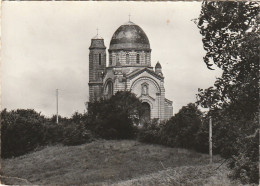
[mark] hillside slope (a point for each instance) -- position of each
(112, 162)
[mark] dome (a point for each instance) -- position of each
(129, 36)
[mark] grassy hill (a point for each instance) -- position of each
(123, 162)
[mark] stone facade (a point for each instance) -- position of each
(129, 69)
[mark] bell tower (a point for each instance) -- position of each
(97, 66)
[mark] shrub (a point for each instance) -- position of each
(53, 133)
(246, 164)
(24, 130)
(182, 128)
(150, 132)
(76, 134)
(21, 132)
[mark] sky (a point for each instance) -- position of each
(45, 47)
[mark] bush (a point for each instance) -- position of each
(21, 132)
(246, 164)
(53, 133)
(76, 134)
(180, 131)
(24, 130)
(182, 128)
(150, 133)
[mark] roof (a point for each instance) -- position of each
(137, 72)
(97, 42)
(129, 36)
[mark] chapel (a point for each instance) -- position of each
(129, 69)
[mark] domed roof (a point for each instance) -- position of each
(129, 36)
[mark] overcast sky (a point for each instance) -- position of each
(45, 46)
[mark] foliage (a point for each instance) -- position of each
(53, 133)
(61, 119)
(246, 163)
(117, 117)
(21, 132)
(24, 130)
(230, 32)
(181, 129)
(150, 132)
(230, 35)
(76, 134)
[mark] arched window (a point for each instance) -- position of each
(137, 58)
(99, 59)
(127, 58)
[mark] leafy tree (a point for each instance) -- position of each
(230, 34)
(115, 118)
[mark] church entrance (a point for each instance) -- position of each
(146, 117)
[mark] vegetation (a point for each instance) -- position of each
(230, 32)
(104, 162)
(114, 118)
(117, 117)
(23, 131)
(180, 131)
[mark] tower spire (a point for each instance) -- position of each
(97, 31)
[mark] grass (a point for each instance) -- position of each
(104, 162)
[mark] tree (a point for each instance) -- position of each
(230, 35)
(115, 118)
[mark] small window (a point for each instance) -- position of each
(110, 59)
(127, 58)
(117, 58)
(137, 58)
(146, 57)
(99, 59)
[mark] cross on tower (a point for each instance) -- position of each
(129, 16)
(97, 31)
